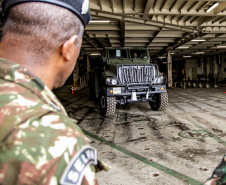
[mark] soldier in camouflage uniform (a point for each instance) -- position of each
(39, 143)
(219, 175)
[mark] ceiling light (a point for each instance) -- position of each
(198, 40)
(212, 7)
(95, 53)
(186, 56)
(183, 47)
(172, 53)
(99, 21)
(221, 46)
(199, 52)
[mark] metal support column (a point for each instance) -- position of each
(88, 69)
(169, 69)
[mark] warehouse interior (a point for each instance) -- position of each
(183, 143)
(193, 32)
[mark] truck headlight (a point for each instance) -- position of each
(159, 80)
(111, 81)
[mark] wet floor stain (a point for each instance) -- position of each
(136, 128)
(195, 134)
(137, 139)
(125, 120)
(179, 125)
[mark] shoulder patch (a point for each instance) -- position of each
(74, 172)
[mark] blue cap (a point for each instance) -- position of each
(78, 7)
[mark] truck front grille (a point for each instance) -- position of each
(137, 74)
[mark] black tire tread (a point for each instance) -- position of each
(111, 106)
(161, 102)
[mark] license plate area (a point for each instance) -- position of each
(117, 90)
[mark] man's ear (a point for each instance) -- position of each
(68, 47)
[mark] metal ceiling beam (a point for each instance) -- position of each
(223, 20)
(173, 5)
(154, 36)
(155, 3)
(187, 15)
(100, 4)
(134, 5)
(172, 18)
(114, 16)
(150, 9)
(204, 19)
(122, 28)
(101, 43)
(198, 5)
(192, 6)
(187, 19)
(208, 0)
(183, 5)
(216, 19)
(194, 19)
(112, 6)
(124, 5)
(147, 9)
(164, 18)
(187, 37)
(180, 18)
(109, 41)
(163, 5)
(165, 12)
(203, 6)
(219, 8)
(89, 40)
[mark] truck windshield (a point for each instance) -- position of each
(138, 54)
(117, 53)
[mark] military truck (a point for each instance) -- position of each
(124, 76)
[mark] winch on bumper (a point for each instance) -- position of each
(130, 94)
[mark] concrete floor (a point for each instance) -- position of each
(178, 146)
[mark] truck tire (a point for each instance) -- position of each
(107, 104)
(161, 101)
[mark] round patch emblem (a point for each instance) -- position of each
(85, 6)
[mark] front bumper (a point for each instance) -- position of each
(140, 90)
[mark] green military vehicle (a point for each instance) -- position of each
(123, 76)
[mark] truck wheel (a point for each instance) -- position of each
(107, 104)
(160, 101)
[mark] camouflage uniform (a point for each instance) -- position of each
(219, 175)
(38, 141)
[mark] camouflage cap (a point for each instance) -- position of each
(78, 7)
